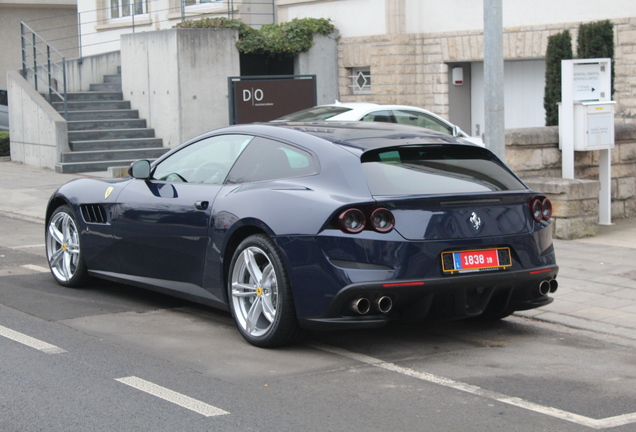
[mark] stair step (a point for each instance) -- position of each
(105, 87)
(81, 167)
(113, 144)
(109, 155)
(108, 134)
(94, 96)
(102, 115)
(92, 105)
(94, 125)
(112, 78)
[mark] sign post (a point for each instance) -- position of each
(586, 121)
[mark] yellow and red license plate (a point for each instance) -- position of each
(476, 260)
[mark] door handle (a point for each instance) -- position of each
(201, 205)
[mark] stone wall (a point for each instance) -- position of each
(412, 69)
(534, 152)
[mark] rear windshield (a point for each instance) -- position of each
(315, 113)
(426, 170)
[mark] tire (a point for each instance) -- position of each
(260, 295)
(63, 249)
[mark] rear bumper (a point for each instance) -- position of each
(445, 298)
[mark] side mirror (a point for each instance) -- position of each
(140, 170)
(456, 131)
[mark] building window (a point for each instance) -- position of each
(199, 2)
(126, 8)
(361, 80)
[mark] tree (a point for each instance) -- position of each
(559, 48)
(596, 40)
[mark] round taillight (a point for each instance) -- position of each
(537, 209)
(546, 209)
(382, 220)
(352, 221)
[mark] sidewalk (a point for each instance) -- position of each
(597, 276)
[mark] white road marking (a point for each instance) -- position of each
(29, 341)
(28, 246)
(608, 422)
(172, 396)
(36, 268)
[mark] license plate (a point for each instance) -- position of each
(476, 260)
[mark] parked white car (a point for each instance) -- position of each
(359, 111)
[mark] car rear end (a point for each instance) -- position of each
(450, 233)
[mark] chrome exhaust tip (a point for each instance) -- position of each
(544, 287)
(361, 305)
(384, 304)
(554, 285)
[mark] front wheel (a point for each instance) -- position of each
(63, 249)
(260, 295)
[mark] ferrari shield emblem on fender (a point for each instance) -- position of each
(475, 221)
(108, 191)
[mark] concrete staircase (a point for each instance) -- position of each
(103, 131)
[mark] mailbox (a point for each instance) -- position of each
(594, 125)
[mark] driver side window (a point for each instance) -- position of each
(207, 161)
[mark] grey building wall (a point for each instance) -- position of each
(53, 23)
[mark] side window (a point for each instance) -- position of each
(415, 118)
(4, 100)
(207, 161)
(379, 116)
(265, 159)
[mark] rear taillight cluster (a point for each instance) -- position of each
(541, 208)
(354, 220)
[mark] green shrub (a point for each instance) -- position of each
(559, 48)
(286, 39)
(4, 143)
(596, 40)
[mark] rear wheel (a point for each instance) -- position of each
(260, 294)
(63, 249)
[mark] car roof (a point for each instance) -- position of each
(359, 135)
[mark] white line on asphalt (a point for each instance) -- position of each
(27, 246)
(172, 396)
(36, 268)
(29, 341)
(457, 385)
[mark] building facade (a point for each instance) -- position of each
(405, 51)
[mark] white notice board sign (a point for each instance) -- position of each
(587, 82)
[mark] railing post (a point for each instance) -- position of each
(23, 44)
(35, 62)
(79, 33)
(64, 85)
(48, 69)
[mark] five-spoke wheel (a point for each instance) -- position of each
(260, 296)
(63, 248)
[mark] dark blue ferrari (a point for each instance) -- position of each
(311, 226)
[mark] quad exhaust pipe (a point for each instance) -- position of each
(384, 304)
(362, 305)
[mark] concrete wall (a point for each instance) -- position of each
(38, 133)
(321, 60)
(177, 79)
(80, 73)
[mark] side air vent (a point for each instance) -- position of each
(93, 213)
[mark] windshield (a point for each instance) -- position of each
(315, 113)
(425, 170)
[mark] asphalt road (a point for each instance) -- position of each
(112, 357)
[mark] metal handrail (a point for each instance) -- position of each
(31, 51)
